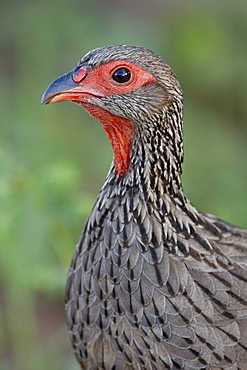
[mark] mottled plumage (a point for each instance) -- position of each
(154, 283)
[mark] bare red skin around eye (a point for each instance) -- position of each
(101, 78)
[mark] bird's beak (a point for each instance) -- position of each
(69, 87)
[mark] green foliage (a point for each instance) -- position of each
(54, 159)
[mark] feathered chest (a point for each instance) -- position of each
(138, 269)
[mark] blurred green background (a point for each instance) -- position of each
(54, 158)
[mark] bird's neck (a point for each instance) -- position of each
(158, 153)
(153, 161)
(147, 154)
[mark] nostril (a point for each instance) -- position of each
(79, 74)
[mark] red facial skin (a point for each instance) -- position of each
(98, 82)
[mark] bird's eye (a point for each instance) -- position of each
(121, 75)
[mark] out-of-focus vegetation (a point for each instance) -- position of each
(54, 159)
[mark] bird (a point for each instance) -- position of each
(154, 283)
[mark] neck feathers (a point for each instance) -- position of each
(155, 156)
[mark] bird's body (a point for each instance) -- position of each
(154, 283)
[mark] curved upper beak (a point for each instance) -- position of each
(65, 88)
(59, 89)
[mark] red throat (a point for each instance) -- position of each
(120, 133)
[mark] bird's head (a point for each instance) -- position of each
(129, 89)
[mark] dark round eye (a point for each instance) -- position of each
(121, 75)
